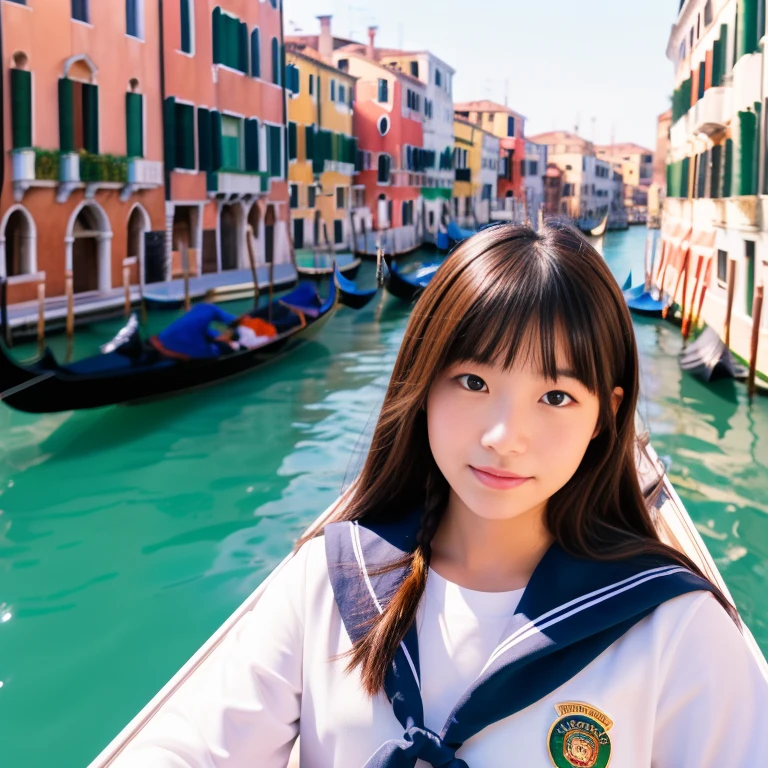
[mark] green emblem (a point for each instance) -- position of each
(579, 737)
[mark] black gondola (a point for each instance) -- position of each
(708, 359)
(135, 371)
(408, 286)
(349, 294)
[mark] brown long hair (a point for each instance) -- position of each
(493, 289)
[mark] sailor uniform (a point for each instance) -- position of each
(633, 663)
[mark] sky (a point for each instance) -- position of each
(598, 64)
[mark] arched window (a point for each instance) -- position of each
(275, 61)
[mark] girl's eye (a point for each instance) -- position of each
(557, 398)
(472, 383)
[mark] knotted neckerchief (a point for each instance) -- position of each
(571, 610)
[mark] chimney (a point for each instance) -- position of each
(325, 41)
(369, 52)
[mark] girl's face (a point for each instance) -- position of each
(506, 441)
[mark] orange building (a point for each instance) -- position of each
(81, 143)
(224, 126)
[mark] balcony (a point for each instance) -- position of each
(738, 213)
(708, 116)
(142, 174)
(236, 185)
(337, 166)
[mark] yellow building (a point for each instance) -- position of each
(476, 156)
(321, 149)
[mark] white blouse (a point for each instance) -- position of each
(681, 687)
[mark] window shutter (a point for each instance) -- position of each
(242, 48)
(185, 136)
(186, 27)
(218, 34)
(204, 159)
(255, 54)
(309, 140)
(728, 168)
(333, 90)
(353, 149)
(217, 147)
(702, 78)
(252, 144)
(292, 139)
(274, 150)
(133, 124)
(21, 107)
(275, 61)
(296, 80)
(66, 118)
(169, 138)
(746, 167)
(91, 118)
(747, 13)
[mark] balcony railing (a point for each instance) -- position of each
(708, 115)
(229, 182)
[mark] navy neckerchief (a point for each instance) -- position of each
(571, 610)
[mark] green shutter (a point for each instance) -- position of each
(233, 42)
(255, 54)
(218, 30)
(291, 141)
(685, 176)
(91, 118)
(21, 108)
(746, 152)
(273, 132)
(275, 61)
(309, 141)
(243, 48)
(134, 125)
(204, 139)
(186, 27)
(702, 78)
(169, 138)
(185, 136)
(66, 119)
(728, 168)
(252, 144)
(217, 152)
(352, 149)
(748, 33)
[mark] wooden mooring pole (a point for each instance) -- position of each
(729, 302)
(757, 311)
(4, 311)
(252, 262)
(40, 317)
(69, 291)
(185, 269)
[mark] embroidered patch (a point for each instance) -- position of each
(579, 737)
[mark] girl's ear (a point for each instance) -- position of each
(616, 397)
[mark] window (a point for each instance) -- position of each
(231, 143)
(78, 116)
(255, 53)
(21, 107)
(273, 3)
(333, 90)
(298, 233)
(338, 231)
(384, 166)
(568, 167)
(438, 78)
(510, 126)
(275, 61)
(311, 85)
(682, 51)
(341, 197)
(690, 38)
(292, 78)
(342, 94)
(132, 18)
(275, 150)
(722, 267)
(134, 124)
(522, 167)
(183, 135)
(80, 10)
(311, 193)
(383, 124)
(292, 141)
(230, 41)
(294, 195)
(708, 12)
(187, 20)
(383, 92)
(533, 167)
(343, 65)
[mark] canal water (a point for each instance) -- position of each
(127, 535)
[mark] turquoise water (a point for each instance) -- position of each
(127, 535)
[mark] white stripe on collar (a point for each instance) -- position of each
(605, 593)
(358, 550)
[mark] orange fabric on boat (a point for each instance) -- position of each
(258, 326)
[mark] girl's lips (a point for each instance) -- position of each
(502, 482)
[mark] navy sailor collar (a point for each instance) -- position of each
(571, 610)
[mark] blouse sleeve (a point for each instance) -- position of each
(712, 708)
(241, 706)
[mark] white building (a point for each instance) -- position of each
(438, 128)
(489, 175)
(532, 169)
(717, 185)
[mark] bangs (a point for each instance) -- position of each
(523, 308)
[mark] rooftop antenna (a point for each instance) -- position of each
(594, 121)
(613, 133)
(576, 127)
(506, 92)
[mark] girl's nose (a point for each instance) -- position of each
(507, 432)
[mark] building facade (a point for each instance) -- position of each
(714, 211)
(322, 150)
(658, 189)
(83, 170)
(476, 159)
(224, 113)
(532, 169)
(635, 164)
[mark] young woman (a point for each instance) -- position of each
(493, 592)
